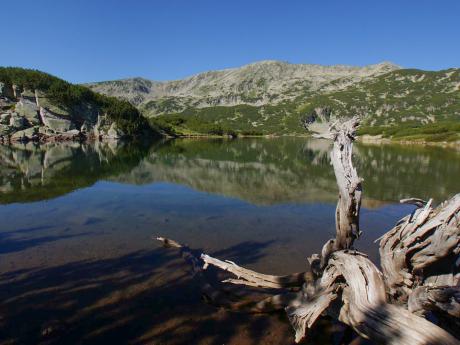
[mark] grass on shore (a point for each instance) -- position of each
(178, 125)
(435, 132)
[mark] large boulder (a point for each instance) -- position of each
(27, 107)
(55, 123)
(45, 131)
(17, 122)
(25, 135)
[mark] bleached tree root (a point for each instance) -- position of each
(422, 249)
(255, 279)
(366, 310)
(445, 299)
(351, 277)
(220, 298)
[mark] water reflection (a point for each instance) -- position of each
(31, 172)
(259, 171)
(77, 221)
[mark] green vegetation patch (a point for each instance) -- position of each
(439, 131)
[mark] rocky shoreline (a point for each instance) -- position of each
(27, 115)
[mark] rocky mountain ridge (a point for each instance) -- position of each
(260, 83)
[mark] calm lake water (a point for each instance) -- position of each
(76, 221)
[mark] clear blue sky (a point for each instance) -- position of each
(92, 40)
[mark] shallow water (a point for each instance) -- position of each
(91, 210)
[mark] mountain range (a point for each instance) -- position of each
(274, 97)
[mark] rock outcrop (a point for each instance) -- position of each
(29, 116)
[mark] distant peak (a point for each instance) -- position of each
(269, 62)
(387, 64)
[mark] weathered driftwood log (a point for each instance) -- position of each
(251, 278)
(348, 286)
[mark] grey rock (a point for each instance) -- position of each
(17, 122)
(46, 131)
(55, 123)
(27, 108)
(25, 135)
(5, 118)
(74, 132)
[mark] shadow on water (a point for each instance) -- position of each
(143, 297)
(10, 243)
(245, 253)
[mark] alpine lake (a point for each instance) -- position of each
(78, 262)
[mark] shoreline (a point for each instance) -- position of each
(81, 137)
(379, 140)
(364, 139)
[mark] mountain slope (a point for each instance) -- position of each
(266, 82)
(273, 97)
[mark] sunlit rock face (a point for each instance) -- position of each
(30, 116)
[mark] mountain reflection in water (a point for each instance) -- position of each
(258, 171)
(76, 254)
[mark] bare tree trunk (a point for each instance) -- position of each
(348, 206)
(419, 259)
